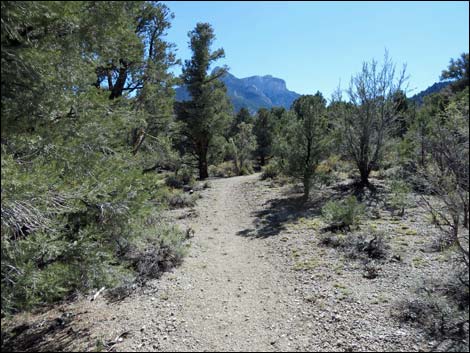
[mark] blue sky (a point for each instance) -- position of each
(314, 45)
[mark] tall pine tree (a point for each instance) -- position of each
(207, 113)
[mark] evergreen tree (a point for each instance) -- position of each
(208, 112)
(264, 132)
(242, 146)
(243, 116)
(74, 200)
(458, 71)
(306, 139)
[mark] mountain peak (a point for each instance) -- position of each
(252, 92)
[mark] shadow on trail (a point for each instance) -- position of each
(53, 335)
(280, 211)
(271, 221)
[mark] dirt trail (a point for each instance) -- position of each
(255, 279)
(233, 295)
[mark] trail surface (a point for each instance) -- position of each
(230, 295)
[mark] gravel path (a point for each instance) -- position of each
(234, 297)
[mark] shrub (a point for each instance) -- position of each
(332, 240)
(343, 214)
(270, 171)
(223, 170)
(398, 199)
(325, 171)
(173, 181)
(430, 308)
(373, 245)
(247, 169)
(181, 178)
(158, 253)
(180, 199)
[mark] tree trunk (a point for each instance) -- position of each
(307, 184)
(118, 88)
(364, 171)
(202, 165)
(422, 161)
(465, 216)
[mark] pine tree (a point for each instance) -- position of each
(306, 139)
(242, 146)
(264, 132)
(243, 116)
(74, 199)
(208, 112)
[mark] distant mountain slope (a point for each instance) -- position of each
(252, 92)
(436, 87)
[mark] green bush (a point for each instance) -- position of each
(186, 175)
(270, 171)
(398, 199)
(181, 178)
(66, 222)
(344, 213)
(174, 181)
(157, 253)
(247, 169)
(223, 170)
(181, 199)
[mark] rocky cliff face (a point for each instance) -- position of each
(253, 92)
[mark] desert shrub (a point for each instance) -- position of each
(457, 285)
(61, 240)
(325, 171)
(270, 171)
(174, 181)
(424, 311)
(247, 169)
(178, 181)
(182, 177)
(332, 240)
(373, 245)
(180, 199)
(441, 242)
(398, 199)
(343, 214)
(223, 170)
(157, 253)
(431, 308)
